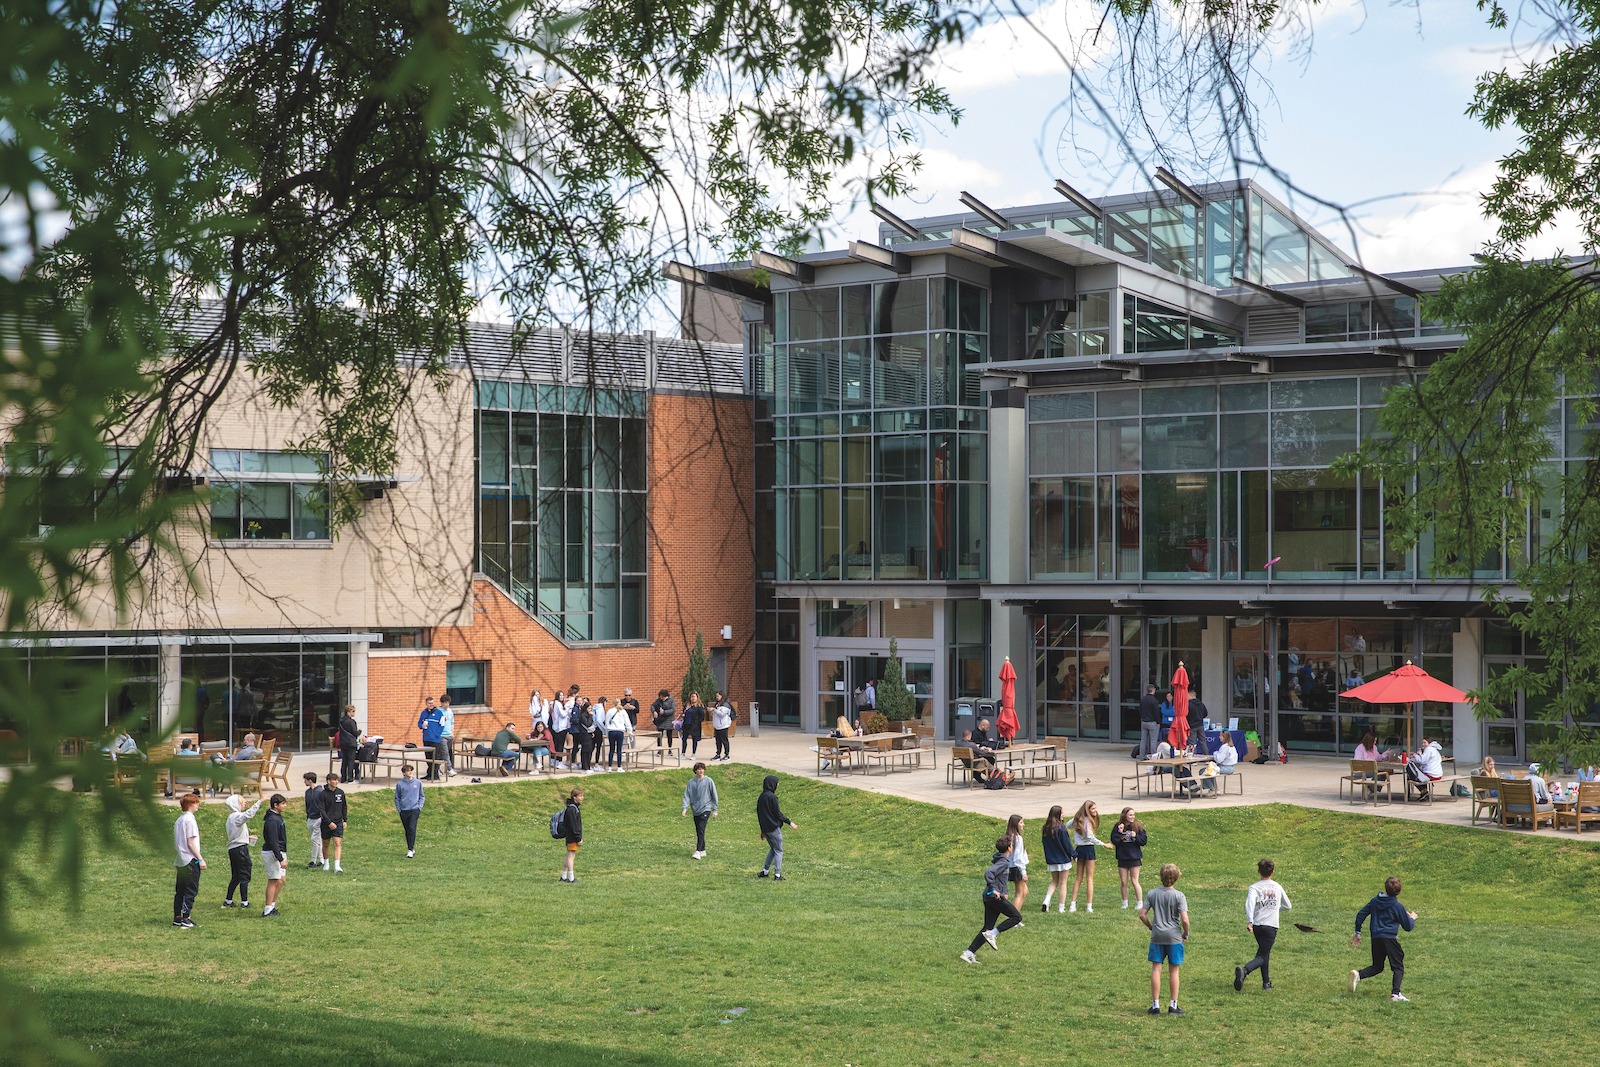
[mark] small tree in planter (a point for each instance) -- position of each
(894, 701)
(698, 678)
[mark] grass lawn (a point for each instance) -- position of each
(474, 953)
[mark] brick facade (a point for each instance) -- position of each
(701, 578)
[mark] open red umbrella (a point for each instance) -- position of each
(1406, 685)
(1007, 725)
(1179, 734)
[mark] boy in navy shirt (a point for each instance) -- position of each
(1388, 919)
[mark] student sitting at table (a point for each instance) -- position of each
(1425, 768)
(985, 737)
(540, 742)
(1226, 756)
(246, 751)
(982, 761)
(1488, 771)
(1163, 751)
(1541, 789)
(1368, 749)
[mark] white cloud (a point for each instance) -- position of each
(1041, 44)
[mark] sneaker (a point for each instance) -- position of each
(1073, 906)
(1045, 907)
(1155, 1009)
(1238, 979)
(313, 865)
(1266, 987)
(244, 903)
(326, 866)
(452, 772)
(270, 913)
(993, 937)
(188, 923)
(1061, 909)
(227, 903)
(1124, 903)
(968, 957)
(1355, 978)
(337, 869)
(178, 924)
(1399, 996)
(778, 878)
(411, 854)
(1089, 908)
(1174, 1010)
(763, 873)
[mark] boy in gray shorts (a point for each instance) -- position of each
(1165, 911)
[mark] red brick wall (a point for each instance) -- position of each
(701, 577)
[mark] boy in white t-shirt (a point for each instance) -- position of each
(1262, 902)
(188, 861)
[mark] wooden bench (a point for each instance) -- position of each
(1517, 804)
(1236, 778)
(887, 754)
(1063, 767)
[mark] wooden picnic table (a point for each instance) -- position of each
(1160, 768)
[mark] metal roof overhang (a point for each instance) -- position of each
(1280, 599)
(884, 590)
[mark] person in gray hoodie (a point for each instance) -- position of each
(239, 841)
(996, 880)
(700, 797)
(408, 803)
(772, 820)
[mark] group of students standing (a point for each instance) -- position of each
(570, 728)
(1070, 847)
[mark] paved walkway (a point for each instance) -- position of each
(1309, 781)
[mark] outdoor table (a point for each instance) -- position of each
(1022, 756)
(1165, 765)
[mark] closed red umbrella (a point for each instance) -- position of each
(1406, 685)
(1179, 734)
(1007, 724)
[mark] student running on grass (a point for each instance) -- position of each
(1262, 902)
(1165, 911)
(1085, 824)
(1128, 838)
(1057, 857)
(996, 880)
(1388, 919)
(1019, 860)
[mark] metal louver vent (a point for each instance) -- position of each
(1276, 325)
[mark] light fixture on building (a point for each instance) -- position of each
(727, 633)
(836, 603)
(897, 603)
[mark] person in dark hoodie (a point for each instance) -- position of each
(572, 830)
(772, 820)
(274, 850)
(996, 880)
(1388, 919)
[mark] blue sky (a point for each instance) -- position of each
(1372, 114)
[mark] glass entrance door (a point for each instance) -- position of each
(833, 694)
(1247, 689)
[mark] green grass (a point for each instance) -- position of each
(475, 953)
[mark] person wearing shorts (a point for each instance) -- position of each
(274, 850)
(572, 830)
(335, 816)
(1085, 825)
(1019, 862)
(1165, 913)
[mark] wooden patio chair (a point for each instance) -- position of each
(831, 758)
(1517, 804)
(1586, 810)
(1485, 797)
(1365, 776)
(278, 774)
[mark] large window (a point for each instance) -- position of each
(879, 453)
(562, 506)
(467, 682)
(268, 496)
(1181, 482)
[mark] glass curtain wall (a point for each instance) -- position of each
(1207, 482)
(562, 505)
(1072, 674)
(121, 680)
(294, 693)
(879, 456)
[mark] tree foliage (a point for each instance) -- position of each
(893, 699)
(698, 677)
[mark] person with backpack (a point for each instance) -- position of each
(662, 713)
(571, 831)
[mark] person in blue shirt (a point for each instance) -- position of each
(408, 801)
(431, 723)
(1387, 919)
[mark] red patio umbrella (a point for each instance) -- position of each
(1406, 685)
(1179, 734)
(1007, 724)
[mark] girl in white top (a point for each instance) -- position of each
(1085, 825)
(1018, 855)
(560, 723)
(537, 712)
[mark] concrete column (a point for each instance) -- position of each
(1008, 495)
(358, 680)
(1467, 653)
(1008, 636)
(808, 669)
(1215, 672)
(169, 688)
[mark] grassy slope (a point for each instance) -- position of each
(475, 953)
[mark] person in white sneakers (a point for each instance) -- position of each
(618, 729)
(239, 841)
(274, 851)
(700, 797)
(996, 880)
(1085, 825)
(560, 723)
(1262, 902)
(721, 723)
